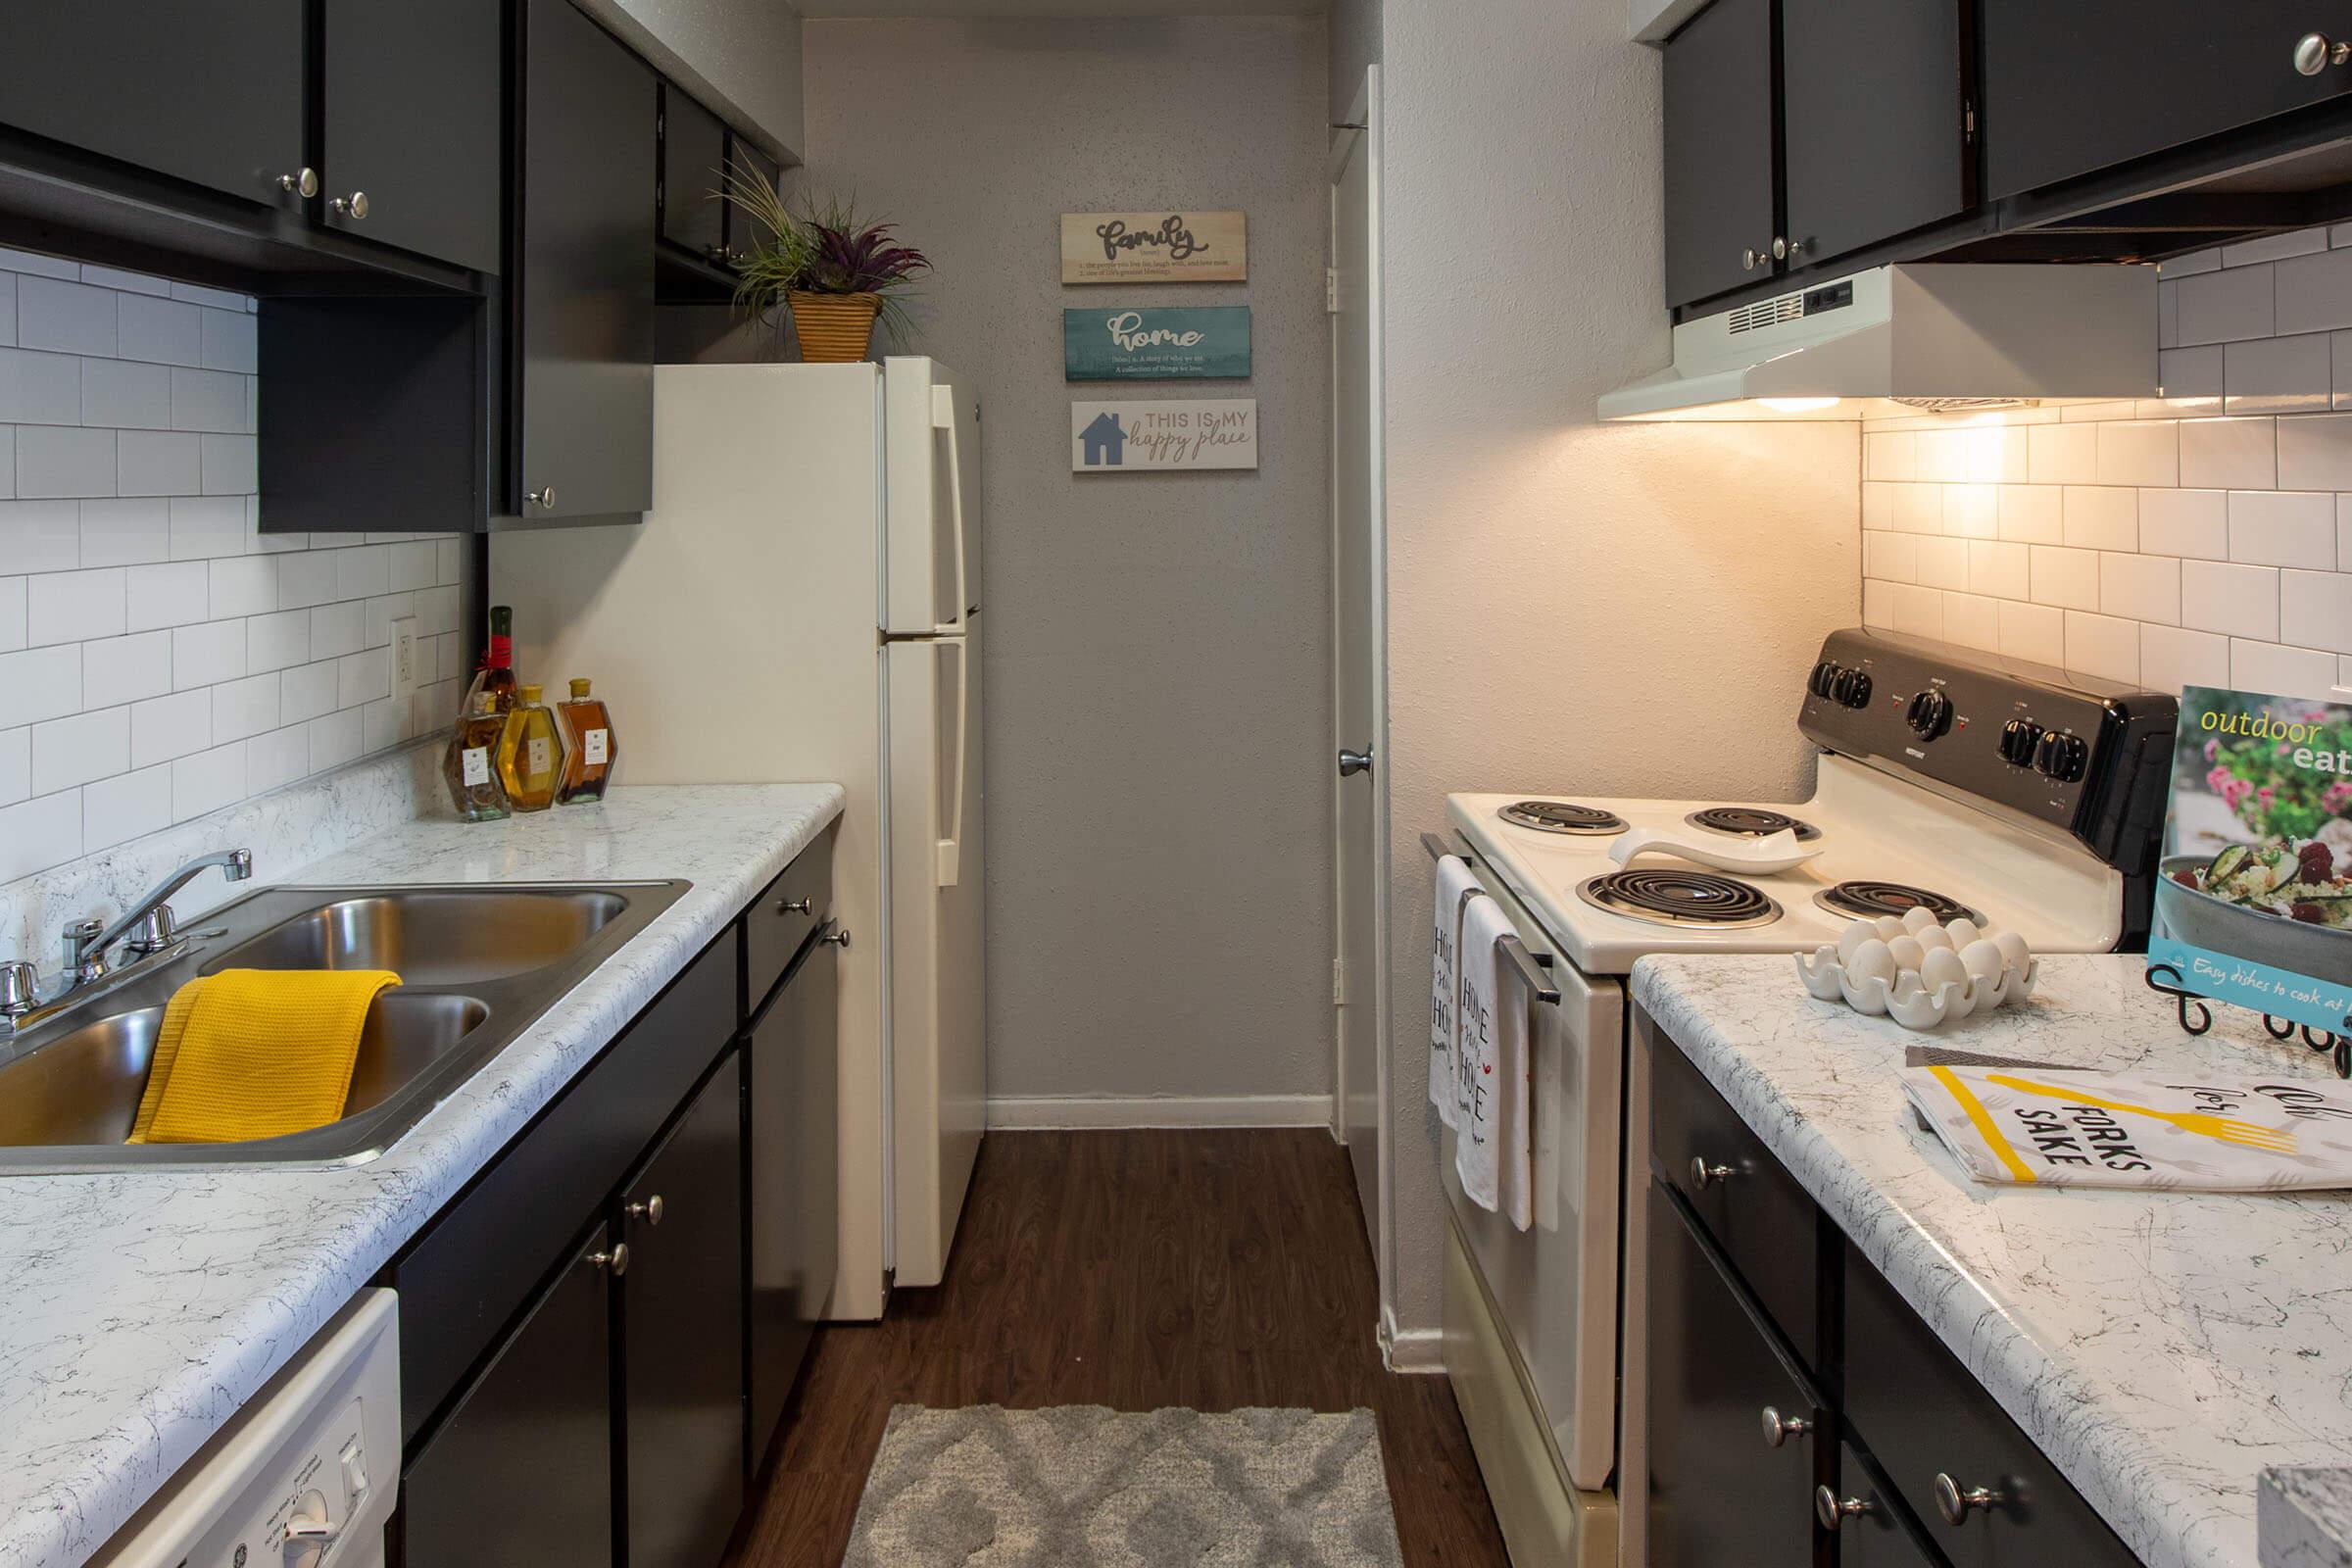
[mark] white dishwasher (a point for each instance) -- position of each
(303, 1477)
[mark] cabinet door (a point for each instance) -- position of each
(682, 1336)
(794, 1181)
(1719, 151)
(2075, 87)
(585, 338)
(206, 90)
(1718, 1492)
(522, 1472)
(1861, 166)
(694, 156)
(411, 101)
(1872, 1532)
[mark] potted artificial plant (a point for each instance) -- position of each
(834, 272)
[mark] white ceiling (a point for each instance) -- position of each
(1060, 8)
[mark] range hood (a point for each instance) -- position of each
(1937, 337)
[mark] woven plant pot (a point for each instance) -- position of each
(834, 328)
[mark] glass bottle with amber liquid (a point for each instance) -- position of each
(496, 675)
(588, 730)
(470, 765)
(530, 754)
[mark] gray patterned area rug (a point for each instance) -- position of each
(991, 1488)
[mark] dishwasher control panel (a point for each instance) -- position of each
(303, 1477)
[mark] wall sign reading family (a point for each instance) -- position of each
(1135, 437)
(1154, 247)
(1175, 344)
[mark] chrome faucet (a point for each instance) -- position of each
(144, 930)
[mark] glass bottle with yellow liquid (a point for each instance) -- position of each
(588, 729)
(470, 766)
(530, 754)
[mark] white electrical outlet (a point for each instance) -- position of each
(404, 659)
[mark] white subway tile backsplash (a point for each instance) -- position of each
(2034, 632)
(2002, 570)
(39, 683)
(2100, 645)
(125, 670)
(78, 748)
(1919, 508)
(1972, 621)
(363, 677)
(275, 641)
(335, 629)
(39, 388)
(2288, 671)
(449, 561)
(308, 691)
(118, 810)
(334, 738)
(206, 400)
(158, 462)
(231, 463)
(8, 309)
(2314, 293)
(165, 727)
(2229, 454)
(411, 566)
(2222, 597)
(242, 586)
(208, 780)
(1916, 611)
(11, 615)
(1943, 563)
(2343, 533)
(243, 707)
(2190, 372)
(1891, 456)
(207, 654)
(2102, 518)
(2184, 522)
(2279, 376)
(219, 299)
(378, 614)
(2283, 529)
(2142, 451)
(69, 317)
(58, 461)
(2068, 579)
(277, 758)
(2315, 609)
(2204, 261)
(2275, 247)
(2316, 452)
(40, 535)
(306, 578)
(2062, 454)
(228, 341)
(2141, 587)
(125, 394)
(126, 532)
(170, 594)
(2032, 515)
(2174, 656)
(206, 527)
(16, 764)
(2226, 306)
(437, 611)
(1971, 511)
(40, 833)
(70, 606)
(363, 572)
(160, 331)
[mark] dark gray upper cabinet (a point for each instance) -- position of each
(746, 162)
(583, 356)
(694, 158)
(209, 91)
(412, 104)
(1719, 151)
(682, 1336)
(2077, 88)
(1864, 166)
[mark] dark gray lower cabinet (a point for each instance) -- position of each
(792, 1109)
(522, 1472)
(1871, 1532)
(1719, 1490)
(682, 1336)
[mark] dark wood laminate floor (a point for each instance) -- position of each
(1132, 1269)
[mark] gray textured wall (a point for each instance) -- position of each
(740, 56)
(1354, 45)
(1158, 668)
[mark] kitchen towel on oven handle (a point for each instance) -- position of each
(1492, 1144)
(1458, 886)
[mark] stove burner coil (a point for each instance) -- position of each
(1752, 821)
(1868, 901)
(1558, 816)
(1666, 897)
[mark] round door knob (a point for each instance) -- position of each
(650, 1211)
(301, 183)
(544, 499)
(616, 1261)
(1354, 762)
(2315, 53)
(354, 205)
(1778, 1428)
(839, 938)
(1833, 1510)
(1750, 259)
(1953, 1501)
(1704, 1175)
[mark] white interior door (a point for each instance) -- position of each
(1359, 698)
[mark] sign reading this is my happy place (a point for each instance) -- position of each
(1160, 247)
(1132, 437)
(1193, 343)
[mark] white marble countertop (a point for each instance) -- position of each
(139, 1311)
(2163, 1349)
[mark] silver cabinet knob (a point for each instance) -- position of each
(1778, 1428)
(354, 205)
(1954, 1501)
(543, 498)
(302, 183)
(650, 1211)
(839, 938)
(1354, 762)
(2315, 53)
(795, 906)
(1833, 1510)
(616, 1260)
(1750, 259)
(1704, 1175)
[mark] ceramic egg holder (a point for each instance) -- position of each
(1918, 972)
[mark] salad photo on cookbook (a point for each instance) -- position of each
(2254, 900)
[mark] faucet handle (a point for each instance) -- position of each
(154, 933)
(19, 990)
(80, 962)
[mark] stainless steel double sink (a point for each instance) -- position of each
(478, 965)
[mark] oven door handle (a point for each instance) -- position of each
(1436, 848)
(1534, 970)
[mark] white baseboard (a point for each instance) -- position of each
(1410, 1350)
(1012, 1114)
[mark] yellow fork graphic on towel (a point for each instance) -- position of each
(2244, 1134)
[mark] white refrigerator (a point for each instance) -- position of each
(803, 602)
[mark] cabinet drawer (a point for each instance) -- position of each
(1921, 1415)
(466, 1276)
(1752, 1209)
(784, 917)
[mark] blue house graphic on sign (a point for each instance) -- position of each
(1105, 441)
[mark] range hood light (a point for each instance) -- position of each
(1797, 405)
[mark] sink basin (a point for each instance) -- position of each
(478, 965)
(449, 938)
(84, 1086)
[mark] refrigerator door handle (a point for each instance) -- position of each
(942, 417)
(949, 864)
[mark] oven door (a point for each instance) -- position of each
(1556, 1281)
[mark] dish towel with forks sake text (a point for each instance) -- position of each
(1491, 1150)
(2052, 1127)
(1456, 886)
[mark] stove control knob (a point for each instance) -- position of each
(1929, 715)
(2061, 757)
(1826, 677)
(1853, 689)
(2019, 738)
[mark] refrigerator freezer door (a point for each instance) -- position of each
(932, 514)
(938, 1008)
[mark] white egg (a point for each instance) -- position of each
(1872, 961)
(1888, 927)
(1852, 937)
(2014, 952)
(1963, 931)
(1983, 960)
(1906, 952)
(1916, 920)
(1943, 967)
(1932, 937)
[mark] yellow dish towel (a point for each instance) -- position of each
(256, 1053)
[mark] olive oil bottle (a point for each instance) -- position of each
(470, 765)
(530, 754)
(588, 730)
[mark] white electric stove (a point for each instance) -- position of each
(2025, 798)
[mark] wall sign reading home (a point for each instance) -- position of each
(1160, 247)
(1146, 437)
(1180, 343)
